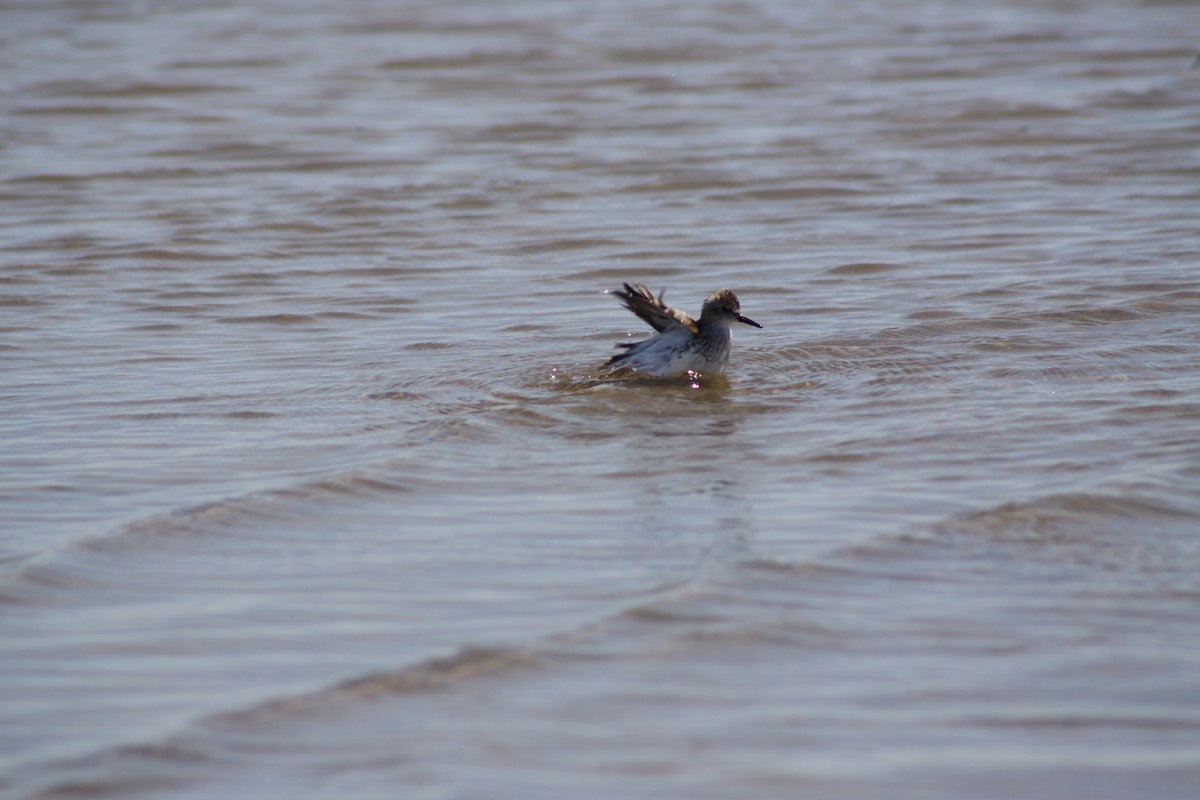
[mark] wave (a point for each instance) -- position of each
(72, 567)
(828, 603)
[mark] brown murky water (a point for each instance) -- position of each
(310, 489)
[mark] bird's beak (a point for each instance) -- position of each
(748, 321)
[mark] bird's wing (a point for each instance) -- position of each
(657, 314)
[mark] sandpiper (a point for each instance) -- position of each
(683, 344)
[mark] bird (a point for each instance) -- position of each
(684, 345)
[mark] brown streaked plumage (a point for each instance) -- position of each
(683, 344)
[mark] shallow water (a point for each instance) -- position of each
(311, 487)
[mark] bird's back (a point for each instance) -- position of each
(653, 311)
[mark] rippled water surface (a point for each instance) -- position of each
(311, 485)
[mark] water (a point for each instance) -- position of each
(309, 488)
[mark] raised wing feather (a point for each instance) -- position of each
(657, 314)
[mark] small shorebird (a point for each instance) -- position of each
(683, 344)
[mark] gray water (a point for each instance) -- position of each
(312, 486)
